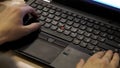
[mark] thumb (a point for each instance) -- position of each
(80, 64)
(31, 28)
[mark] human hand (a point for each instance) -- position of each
(11, 21)
(101, 60)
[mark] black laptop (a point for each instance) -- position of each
(71, 30)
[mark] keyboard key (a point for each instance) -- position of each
(73, 29)
(47, 25)
(67, 27)
(83, 22)
(45, 9)
(89, 29)
(80, 32)
(66, 32)
(51, 11)
(94, 36)
(87, 34)
(45, 14)
(34, 5)
(63, 20)
(96, 32)
(80, 37)
(57, 13)
(76, 25)
(70, 17)
(96, 26)
(42, 18)
(90, 46)
(57, 18)
(103, 34)
(89, 24)
(51, 16)
(38, 12)
(59, 30)
(76, 41)
(117, 39)
(64, 16)
(76, 20)
(87, 39)
(111, 37)
(110, 31)
(101, 39)
(53, 27)
(117, 33)
(83, 44)
(48, 20)
(73, 35)
(103, 29)
(83, 27)
(69, 22)
(39, 7)
(60, 24)
(94, 42)
(54, 22)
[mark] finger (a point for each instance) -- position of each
(28, 10)
(115, 60)
(98, 55)
(108, 55)
(81, 64)
(31, 28)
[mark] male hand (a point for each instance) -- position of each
(101, 60)
(11, 21)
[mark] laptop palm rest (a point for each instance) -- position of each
(43, 50)
(69, 58)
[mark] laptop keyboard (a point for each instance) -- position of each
(80, 30)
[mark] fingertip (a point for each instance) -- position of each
(81, 63)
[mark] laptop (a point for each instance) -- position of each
(71, 30)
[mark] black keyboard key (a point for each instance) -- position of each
(95, 37)
(77, 20)
(90, 46)
(87, 39)
(80, 37)
(47, 25)
(87, 34)
(34, 5)
(76, 25)
(112, 43)
(73, 29)
(67, 27)
(38, 12)
(96, 26)
(63, 20)
(66, 32)
(96, 32)
(45, 14)
(69, 22)
(42, 18)
(83, 27)
(59, 35)
(51, 11)
(53, 27)
(70, 17)
(89, 24)
(110, 31)
(64, 16)
(80, 31)
(73, 35)
(45, 9)
(48, 20)
(89, 29)
(98, 49)
(60, 24)
(54, 22)
(83, 22)
(103, 34)
(101, 39)
(51, 16)
(117, 39)
(83, 44)
(76, 41)
(94, 42)
(56, 18)
(57, 13)
(60, 30)
(111, 37)
(40, 7)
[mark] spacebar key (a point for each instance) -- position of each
(59, 35)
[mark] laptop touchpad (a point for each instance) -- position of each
(42, 49)
(69, 58)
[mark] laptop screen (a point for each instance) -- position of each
(111, 4)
